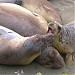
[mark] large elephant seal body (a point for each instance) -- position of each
(64, 39)
(44, 8)
(26, 23)
(22, 20)
(18, 50)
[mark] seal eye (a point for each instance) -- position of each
(59, 29)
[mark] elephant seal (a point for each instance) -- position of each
(22, 20)
(26, 24)
(18, 50)
(64, 39)
(44, 8)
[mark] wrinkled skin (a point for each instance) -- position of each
(18, 50)
(64, 39)
(44, 8)
(26, 24)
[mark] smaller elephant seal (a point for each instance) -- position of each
(44, 8)
(18, 50)
(64, 39)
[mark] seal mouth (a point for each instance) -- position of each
(50, 30)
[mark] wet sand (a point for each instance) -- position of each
(67, 10)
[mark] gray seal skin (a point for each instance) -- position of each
(44, 8)
(64, 39)
(18, 50)
(26, 24)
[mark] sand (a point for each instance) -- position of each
(66, 9)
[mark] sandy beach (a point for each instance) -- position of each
(66, 8)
